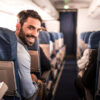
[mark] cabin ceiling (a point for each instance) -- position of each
(73, 4)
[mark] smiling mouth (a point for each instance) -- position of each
(30, 36)
(30, 41)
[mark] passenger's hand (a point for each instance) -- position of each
(34, 78)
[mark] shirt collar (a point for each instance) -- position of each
(21, 42)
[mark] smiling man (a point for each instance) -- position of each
(27, 29)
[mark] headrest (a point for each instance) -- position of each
(44, 37)
(86, 38)
(52, 36)
(8, 44)
(82, 36)
(57, 35)
(35, 45)
(94, 40)
(62, 35)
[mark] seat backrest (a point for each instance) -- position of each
(53, 40)
(82, 43)
(94, 40)
(97, 83)
(87, 37)
(7, 73)
(60, 40)
(44, 42)
(82, 36)
(35, 60)
(8, 62)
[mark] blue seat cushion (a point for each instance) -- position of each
(94, 40)
(44, 37)
(82, 36)
(87, 37)
(8, 50)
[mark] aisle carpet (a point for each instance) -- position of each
(66, 89)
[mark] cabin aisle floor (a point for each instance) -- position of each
(66, 89)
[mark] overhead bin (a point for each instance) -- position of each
(47, 6)
(14, 6)
(94, 9)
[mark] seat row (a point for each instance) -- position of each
(84, 38)
(88, 68)
(53, 49)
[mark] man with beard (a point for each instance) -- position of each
(27, 29)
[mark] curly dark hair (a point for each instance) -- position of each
(24, 14)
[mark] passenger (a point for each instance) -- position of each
(87, 80)
(83, 62)
(43, 27)
(27, 29)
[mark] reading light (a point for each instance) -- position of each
(66, 6)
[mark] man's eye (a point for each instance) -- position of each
(30, 27)
(38, 30)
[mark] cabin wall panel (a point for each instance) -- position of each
(86, 23)
(53, 25)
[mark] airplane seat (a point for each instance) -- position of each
(63, 51)
(53, 38)
(86, 38)
(90, 73)
(56, 42)
(94, 40)
(85, 53)
(44, 42)
(57, 50)
(35, 61)
(8, 64)
(59, 54)
(81, 46)
(97, 83)
(92, 47)
(60, 41)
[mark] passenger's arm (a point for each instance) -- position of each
(27, 87)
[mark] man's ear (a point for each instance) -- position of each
(18, 26)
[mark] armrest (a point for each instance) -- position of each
(45, 76)
(53, 62)
(3, 89)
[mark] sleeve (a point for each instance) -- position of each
(45, 62)
(27, 87)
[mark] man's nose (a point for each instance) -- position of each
(35, 33)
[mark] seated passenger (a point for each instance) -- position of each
(87, 80)
(83, 62)
(27, 29)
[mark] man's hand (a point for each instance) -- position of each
(34, 78)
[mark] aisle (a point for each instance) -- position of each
(66, 89)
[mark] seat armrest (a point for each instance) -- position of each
(3, 89)
(45, 76)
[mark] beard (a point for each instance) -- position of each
(26, 38)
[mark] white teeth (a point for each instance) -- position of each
(32, 39)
